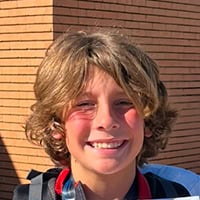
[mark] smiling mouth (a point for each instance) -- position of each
(107, 145)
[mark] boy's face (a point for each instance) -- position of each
(104, 132)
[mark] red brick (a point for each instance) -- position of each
(69, 11)
(19, 79)
(186, 7)
(27, 36)
(18, 94)
(193, 2)
(23, 62)
(86, 5)
(68, 20)
(18, 70)
(24, 28)
(24, 3)
(129, 2)
(14, 111)
(16, 87)
(42, 19)
(22, 53)
(68, 3)
(132, 9)
(181, 70)
(118, 7)
(16, 102)
(13, 45)
(170, 63)
(26, 11)
(103, 6)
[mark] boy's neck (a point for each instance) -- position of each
(104, 187)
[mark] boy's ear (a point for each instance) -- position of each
(56, 135)
(147, 132)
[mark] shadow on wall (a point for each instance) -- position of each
(8, 176)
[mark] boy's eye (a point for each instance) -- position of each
(83, 109)
(85, 104)
(124, 103)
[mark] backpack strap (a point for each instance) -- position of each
(35, 188)
(169, 189)
(39, 182)
(40, 188)
(162, 188)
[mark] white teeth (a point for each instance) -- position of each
(103, 145)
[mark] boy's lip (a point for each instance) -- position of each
(106, 140)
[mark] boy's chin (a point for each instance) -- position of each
(109, 168)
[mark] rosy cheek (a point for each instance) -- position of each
(133, 119)
(73, 116)
(75, 124)
(82, 115)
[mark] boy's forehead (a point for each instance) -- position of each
(97, 77)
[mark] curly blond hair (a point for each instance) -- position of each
(62, 76)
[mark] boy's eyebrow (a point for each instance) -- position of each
(84, 94)
(89, 93)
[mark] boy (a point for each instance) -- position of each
(100, 112)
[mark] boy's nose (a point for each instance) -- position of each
(105, 119)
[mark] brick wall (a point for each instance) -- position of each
(25, 32)
(167, 29)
